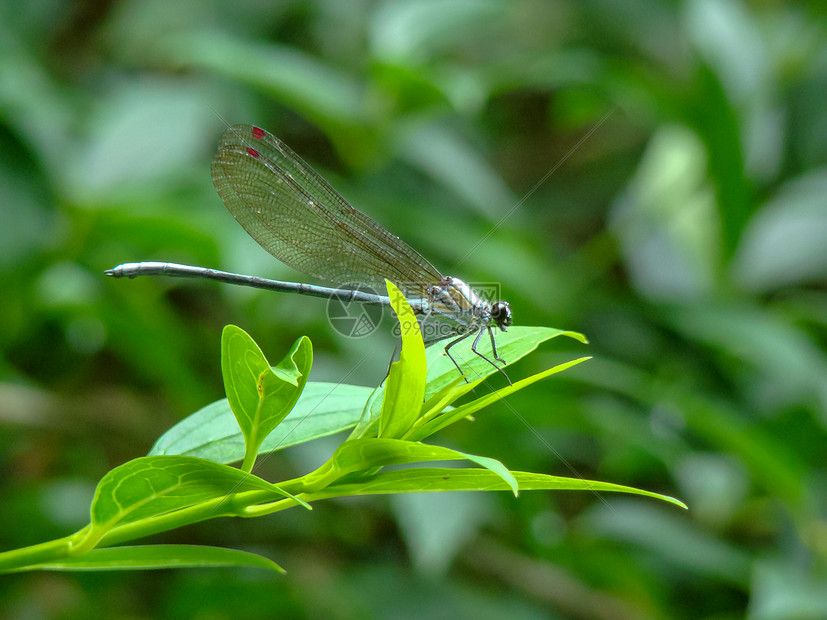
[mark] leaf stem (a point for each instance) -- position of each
(36, 554)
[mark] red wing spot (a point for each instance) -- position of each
(258, 133)
(252, 152)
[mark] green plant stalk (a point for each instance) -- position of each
(250, 454)
(76, 544)
(210, 509)
(245, 505)
(39, 553)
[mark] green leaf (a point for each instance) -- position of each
(148, 557)
(436, 479)
(463, 411)
(212, 432)
(405, 387)
(512, 345)
(368, 423)
(446, 155)
(261, 396)
(333, 99)
(442, 400)
(364, 454)
(155, 485)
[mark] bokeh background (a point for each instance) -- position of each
(683, 228)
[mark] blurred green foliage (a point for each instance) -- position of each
(683, 229)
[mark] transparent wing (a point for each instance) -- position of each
(294, 214)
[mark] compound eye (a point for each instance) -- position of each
(501, 313)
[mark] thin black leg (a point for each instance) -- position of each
(494, 346)
(474, 349)
(451, 357)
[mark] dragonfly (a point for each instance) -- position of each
(297, 217)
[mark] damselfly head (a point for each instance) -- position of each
(501, 314)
